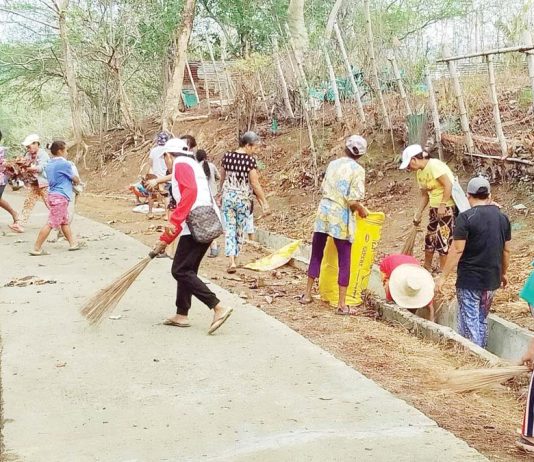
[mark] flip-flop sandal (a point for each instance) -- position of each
(170, 322)
(219, 322)
(303, 301)
(524, 444)
(78, 246)
(347, 312)
(41, 252)
(231, 270)
(16, 227)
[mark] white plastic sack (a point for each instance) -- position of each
(459, 197)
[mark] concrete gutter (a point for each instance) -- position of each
(506, 339)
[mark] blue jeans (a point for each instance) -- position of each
(473, 310)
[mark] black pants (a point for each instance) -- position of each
(187, 258)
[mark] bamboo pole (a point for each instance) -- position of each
(355, 88)
(519, 49)
(333, 83)
(206, 84)
(212, 57)
(400, 84)
(435, 113)
(495, 103)
(192, 80)
(372, 59)
(229, 86)
(262, 92)
(527, 37)
(464, 120)
(283, 82)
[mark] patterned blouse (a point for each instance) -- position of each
(237, 166)
(344, 182)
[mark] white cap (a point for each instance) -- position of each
(176, 146)
(30, 139)
(356, 142)
(411, 151)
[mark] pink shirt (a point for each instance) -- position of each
(389, 263)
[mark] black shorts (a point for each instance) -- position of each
(2, 187)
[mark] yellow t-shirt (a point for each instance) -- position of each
(428, 181)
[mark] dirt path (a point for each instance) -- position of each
(386, 353)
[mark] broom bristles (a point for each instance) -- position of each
(475, 379)
(108, 298)
(409, 244)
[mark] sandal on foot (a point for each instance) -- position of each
(219, 322)
(38, 253)
(231, 270)
(16, 227)
(346, 312)
(525, 444)
(305, 301)
(170, 322)
(78, 246)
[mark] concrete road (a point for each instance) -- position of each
(134, 390)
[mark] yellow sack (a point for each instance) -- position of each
(276, 260)
(366, 238)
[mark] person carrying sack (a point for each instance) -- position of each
(196, 221)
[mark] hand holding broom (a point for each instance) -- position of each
(108, 298)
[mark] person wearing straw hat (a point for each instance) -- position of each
(435, 180)
(481, 251)
(343, 190)
(37, 158)
(402, 283)
(190, 189)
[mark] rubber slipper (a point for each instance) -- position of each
(170, 322)
(16, 227)
(78, 246)
(40, 253)
(219, 322)
(524, 444)
(347, 312)
(303, 301)
(231, 270)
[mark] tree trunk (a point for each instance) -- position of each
(332, 18)
(297, 27)
(171, 107)
(69, 69)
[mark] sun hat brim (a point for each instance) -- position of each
(397, 286)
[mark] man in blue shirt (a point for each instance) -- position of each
(61, 178)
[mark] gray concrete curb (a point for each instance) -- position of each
(418, 326)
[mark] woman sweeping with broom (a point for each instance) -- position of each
(195, 219)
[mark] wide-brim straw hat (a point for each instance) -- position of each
(411, 286)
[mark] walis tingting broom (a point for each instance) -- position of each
(461, 381)
(410, 237)
(108, 298)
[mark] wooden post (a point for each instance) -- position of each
(355, 88)
(229, 87)
(435, 113)
(400, 84)
(206, 84)
(527, 37)
(262, 92)
(219, 86)
(372, 59)
(495, 103)
(192, 80)
(457, 89)
(285, 91)
(333, 83)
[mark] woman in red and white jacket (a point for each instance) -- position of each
(190, 189)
